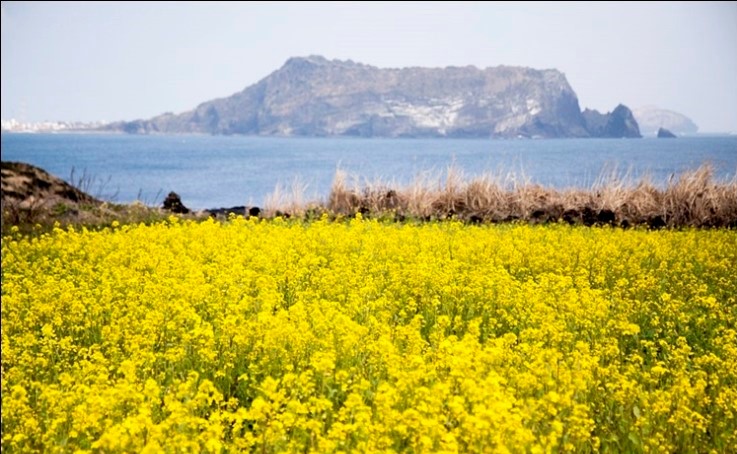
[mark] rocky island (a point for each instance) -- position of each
(650, 119)
(314, 96)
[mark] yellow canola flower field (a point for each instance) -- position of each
(322, 336)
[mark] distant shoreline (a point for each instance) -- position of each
(275, 136)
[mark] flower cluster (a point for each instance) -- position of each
(322, 336)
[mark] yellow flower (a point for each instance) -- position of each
(358, 336)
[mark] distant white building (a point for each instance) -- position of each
(14, 125)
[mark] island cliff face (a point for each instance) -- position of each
(314, 96)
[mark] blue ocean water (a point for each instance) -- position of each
(224, 171)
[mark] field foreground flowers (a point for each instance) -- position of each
(327, 336)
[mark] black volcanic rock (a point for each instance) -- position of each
(616, 124)
(174, 204)
(665, 134)
(313, 96)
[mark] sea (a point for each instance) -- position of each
(227, 171)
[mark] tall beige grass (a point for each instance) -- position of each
(289, 200)
(693, 198)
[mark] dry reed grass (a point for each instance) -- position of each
(693, 198)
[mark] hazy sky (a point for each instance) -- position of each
(121, 61)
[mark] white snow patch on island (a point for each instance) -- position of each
(533, 107)
(438, 113)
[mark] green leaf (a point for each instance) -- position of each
(634, 439)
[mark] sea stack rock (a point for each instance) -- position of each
(622, 123)
(665, 134)
(615, 124)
